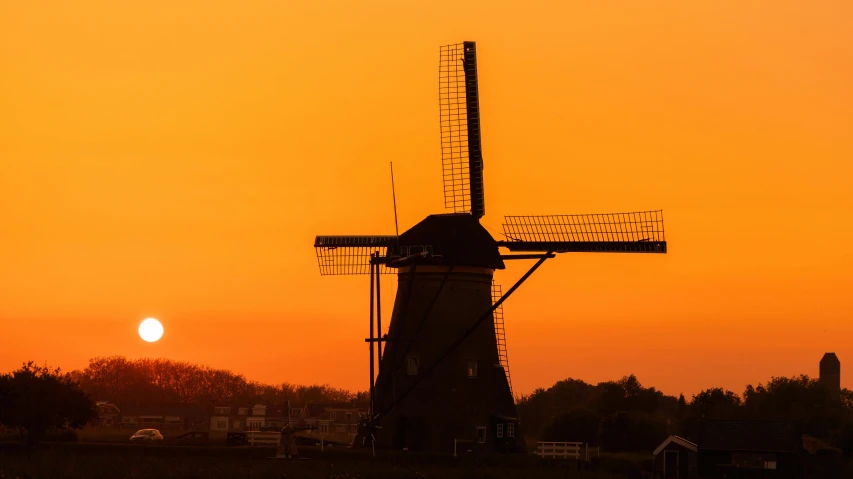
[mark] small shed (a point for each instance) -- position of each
(676, 458)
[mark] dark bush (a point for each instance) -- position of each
(63, 435)
(576, 425)
(627, 467)
(632, 431)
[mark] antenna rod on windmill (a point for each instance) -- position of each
(394, 195)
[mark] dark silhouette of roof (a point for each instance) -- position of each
(456, 237)
(754, 436)
(690, 446)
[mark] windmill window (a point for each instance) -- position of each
(349, 416)
(499, 430)
(481, 434)
(333, 415)
(510, 430)
(412, 363)
(472, 369)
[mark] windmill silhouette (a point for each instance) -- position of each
(442, 374)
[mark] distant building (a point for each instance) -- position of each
(244, 418)
(109, 414)
(830, 371)
(181, 417)
(754, 449)
(734, 449)
(331, 419)
(337, 421)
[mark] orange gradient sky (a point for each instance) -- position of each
(176, 159)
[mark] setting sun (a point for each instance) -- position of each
(150, 330)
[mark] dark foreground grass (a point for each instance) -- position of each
(77, 460)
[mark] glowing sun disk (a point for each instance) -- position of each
(150, 330)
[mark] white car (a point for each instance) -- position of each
(146, 435)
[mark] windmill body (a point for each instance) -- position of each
(438, 296)
(442, 378)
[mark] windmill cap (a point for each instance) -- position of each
(459, 238)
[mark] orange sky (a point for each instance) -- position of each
(176, 159)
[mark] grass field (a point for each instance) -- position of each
(121, 436)
(101, 460)
(107, 453)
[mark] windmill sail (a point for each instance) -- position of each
(500, 332)
(346, 255)
(638, 232)
(461, 147)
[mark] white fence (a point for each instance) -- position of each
(456, 443)
(565, 450)
(263, 438)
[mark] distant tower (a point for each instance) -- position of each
(830, 371)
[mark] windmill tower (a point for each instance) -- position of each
(443, 374)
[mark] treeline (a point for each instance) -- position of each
(625, 416)
(153, 382)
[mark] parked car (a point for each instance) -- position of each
(146, 436)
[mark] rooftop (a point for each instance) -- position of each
(752, 436)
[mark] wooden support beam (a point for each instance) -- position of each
(527, 256)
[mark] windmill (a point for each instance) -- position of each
(442, 371)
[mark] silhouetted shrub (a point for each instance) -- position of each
(576, 425)
(632, 431)
(628, 467)
(65, 435)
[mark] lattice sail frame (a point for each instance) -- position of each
(350, 255)
(500, 332)
(636, 232)
(459, 118)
